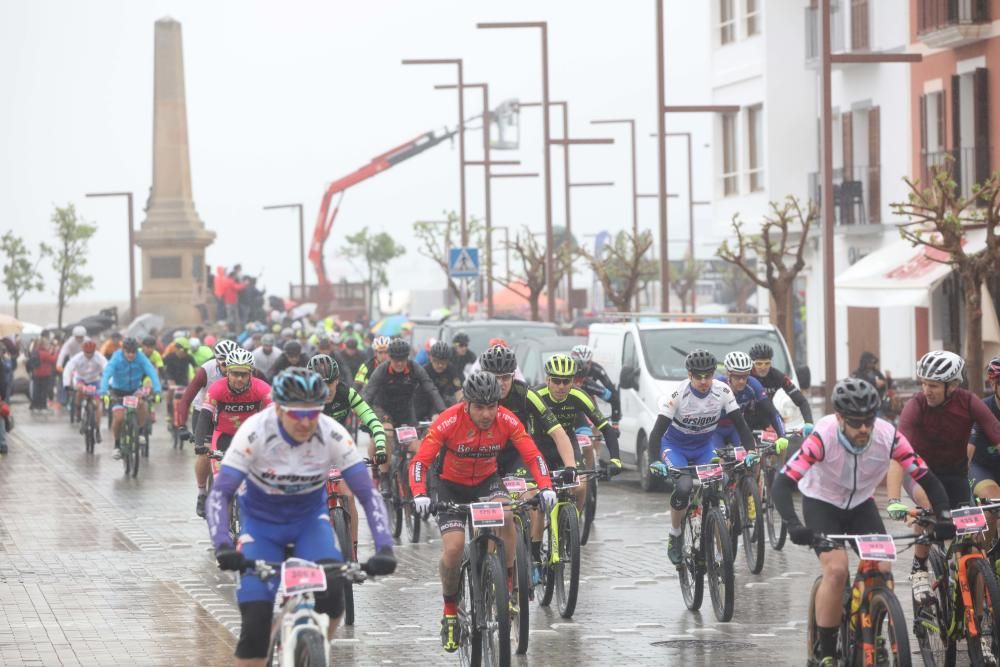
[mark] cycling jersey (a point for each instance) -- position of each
(940, 435)
(758, 410)
(694, 416)
(471, 454)
(155, 359)
(126, 376)
(194, 393)
(448, 382)
(179, 369)
(775, 380)
(393, 393)
(86, 369)
(568, 411)
(987, 455)
(594, 371)
(232, 410)
(364, 370)
(265, 361)
(537, 419)
(69, 349)
(344, 400)
(461, 362)
(826, 470)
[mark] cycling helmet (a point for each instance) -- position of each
(79, 331)
(700, 361)
(267, 339)
(210, 341)
(299, 386)
(481, 387)
(854, 397)
(940, 366)
(560, 366)
(761, 351)
(582, 353)
(498, 359)
(149, 341)
(738, 362)
(461, 338)
(183, 343)
(399, 349)
(88, 345)
(293, 348)
(441, 350)
(223, 348)
(326, 366)
(239, 358)
(130, 344)
(380, 344)
(195, 343)
(993, 369)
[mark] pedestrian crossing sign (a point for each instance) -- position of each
(463, 262)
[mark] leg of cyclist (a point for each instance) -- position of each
(586, 456)
(452, 525)
(984, 486)
(681, 495)
(315, 542)
(260, 541)
(117, 417)
(202, 469)
(352, 510)
(957, 487)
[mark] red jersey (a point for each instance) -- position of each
(231, 409)
(471, 454)
(941, 435)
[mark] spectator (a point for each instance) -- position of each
(231, 288)
(43, 359)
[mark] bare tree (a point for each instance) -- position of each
(529, 283)
(437, 237)
(622, 267)
(780, 256)
(684, 279)
(736, 285)
(939, 217)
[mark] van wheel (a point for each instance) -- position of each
(647, 482)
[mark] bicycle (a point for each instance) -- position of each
(147, 430)
(340, 520)
(707, 548)
(176, 440)
(235, 525)
(400, 500)
(88, 417)
(589, 446)
(770, 464)
(298, 631)
(130, 447)
(483, 605)
(522, 591)
(870, 607)
(743, 504)
(966, 600)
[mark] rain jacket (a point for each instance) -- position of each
(126, 376)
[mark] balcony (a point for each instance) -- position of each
(968, 166)
(857, 195)
(947, 24)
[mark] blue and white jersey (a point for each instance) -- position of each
(694, 416)
(287, 480)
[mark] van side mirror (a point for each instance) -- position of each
(629, 378)
(805, 376)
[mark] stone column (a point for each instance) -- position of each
(172, 237)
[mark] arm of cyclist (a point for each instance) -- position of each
(372, 388)
(615, 398)
(360, 483)
(985, 422)
(787, 481)
(799, 399)
(183, 404)
(109, 370)
(361, 377)
(747, 440)
(601, 423)
(427, 385)
(659, 430)
(916, 468)
(205, 428)
(765, 404)
(70, 368)
(150, 371)
(217, 506)
(532, 458)
(426, 453)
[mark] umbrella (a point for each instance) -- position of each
(94, 324)
(390, 326)
(302, 310)
(10, 326)
(142, 325)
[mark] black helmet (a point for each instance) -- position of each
(149, 341)
(130, 344)
(761, 351)
(326, 366)
(293, 348)
(399, 349)
(299, 386)
(461, 338)
(700, 361)
(498, 359)
(481, 387)
(441, 350)
(854, 397)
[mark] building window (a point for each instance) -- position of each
(753, 17)
(164, 268)
(727, 22)
(730, 177)
(860, 28)
(755, 146)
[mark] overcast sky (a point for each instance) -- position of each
(283, 98)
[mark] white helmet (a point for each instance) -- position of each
(239, 358)
(738, 362)
(940, 366)
(380, 343)
(223, 348)
(582, 353)
(79, 331)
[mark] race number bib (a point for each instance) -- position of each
(709, 472)
(486, 515)
(876, 547)
(515, 484)
(300, 576)
(406, 434)
(968, 520)
(130, 401)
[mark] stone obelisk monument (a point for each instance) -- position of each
(172, 237)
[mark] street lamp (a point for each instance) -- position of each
(302, 246)
(131, 247)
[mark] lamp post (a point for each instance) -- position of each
(550, 285)
(302, 246)
(131, 246)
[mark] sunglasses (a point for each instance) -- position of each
(505, 377)
(560, 380)
(702, 376)
(856, 422)
(242, 375)
(303, 414)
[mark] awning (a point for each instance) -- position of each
(899, 274)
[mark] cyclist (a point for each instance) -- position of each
(772, 379)
(86, 366)
(984, 470)
(444, 377)
(194, 397)
(291, 355)
(837, 470)
(380, 354)
(463, 356)
(70, 349)
(684, 431)
(472, 433)
(590, 373)
(265, 356)
(284, 454)
(149, 349)
(202, 353)
(938, 423)
(229, 402)
(756, 406)
(342, 401)
(178, 369)
(123, 376)
(111, 345)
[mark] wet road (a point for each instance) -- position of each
(96, 569)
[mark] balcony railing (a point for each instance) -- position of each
(967, 166)
(857, 195)
(951, 23)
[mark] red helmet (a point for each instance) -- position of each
(993, 369)
(88, 345)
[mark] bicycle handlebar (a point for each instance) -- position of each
(354, 572)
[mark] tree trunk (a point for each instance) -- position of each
(533, 302)
(781, 313)
(972, 287)
(17, 303)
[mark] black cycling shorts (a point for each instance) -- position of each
(491, 488)
(827, 519)
(957, 486)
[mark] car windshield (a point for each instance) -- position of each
(666, 348)
(512, 332)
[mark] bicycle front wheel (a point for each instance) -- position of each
(567, 571)
(136, 450)
(718, 552)
(471, 645)
(589, 510)
(495, 624)
(342, 531)
(127, 443)
(520, 595)
(776, 529)
(410, 517)
(396, 505)
(90, 427)
(985, 647)
(892, 640)
(690, 572)
(310, 649)
(930, 625)
(752, 524)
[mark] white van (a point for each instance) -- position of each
(647, 359)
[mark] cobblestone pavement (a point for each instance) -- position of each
(96, 569)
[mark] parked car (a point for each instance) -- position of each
(648, 361)
(532, 353)
(481, 331)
